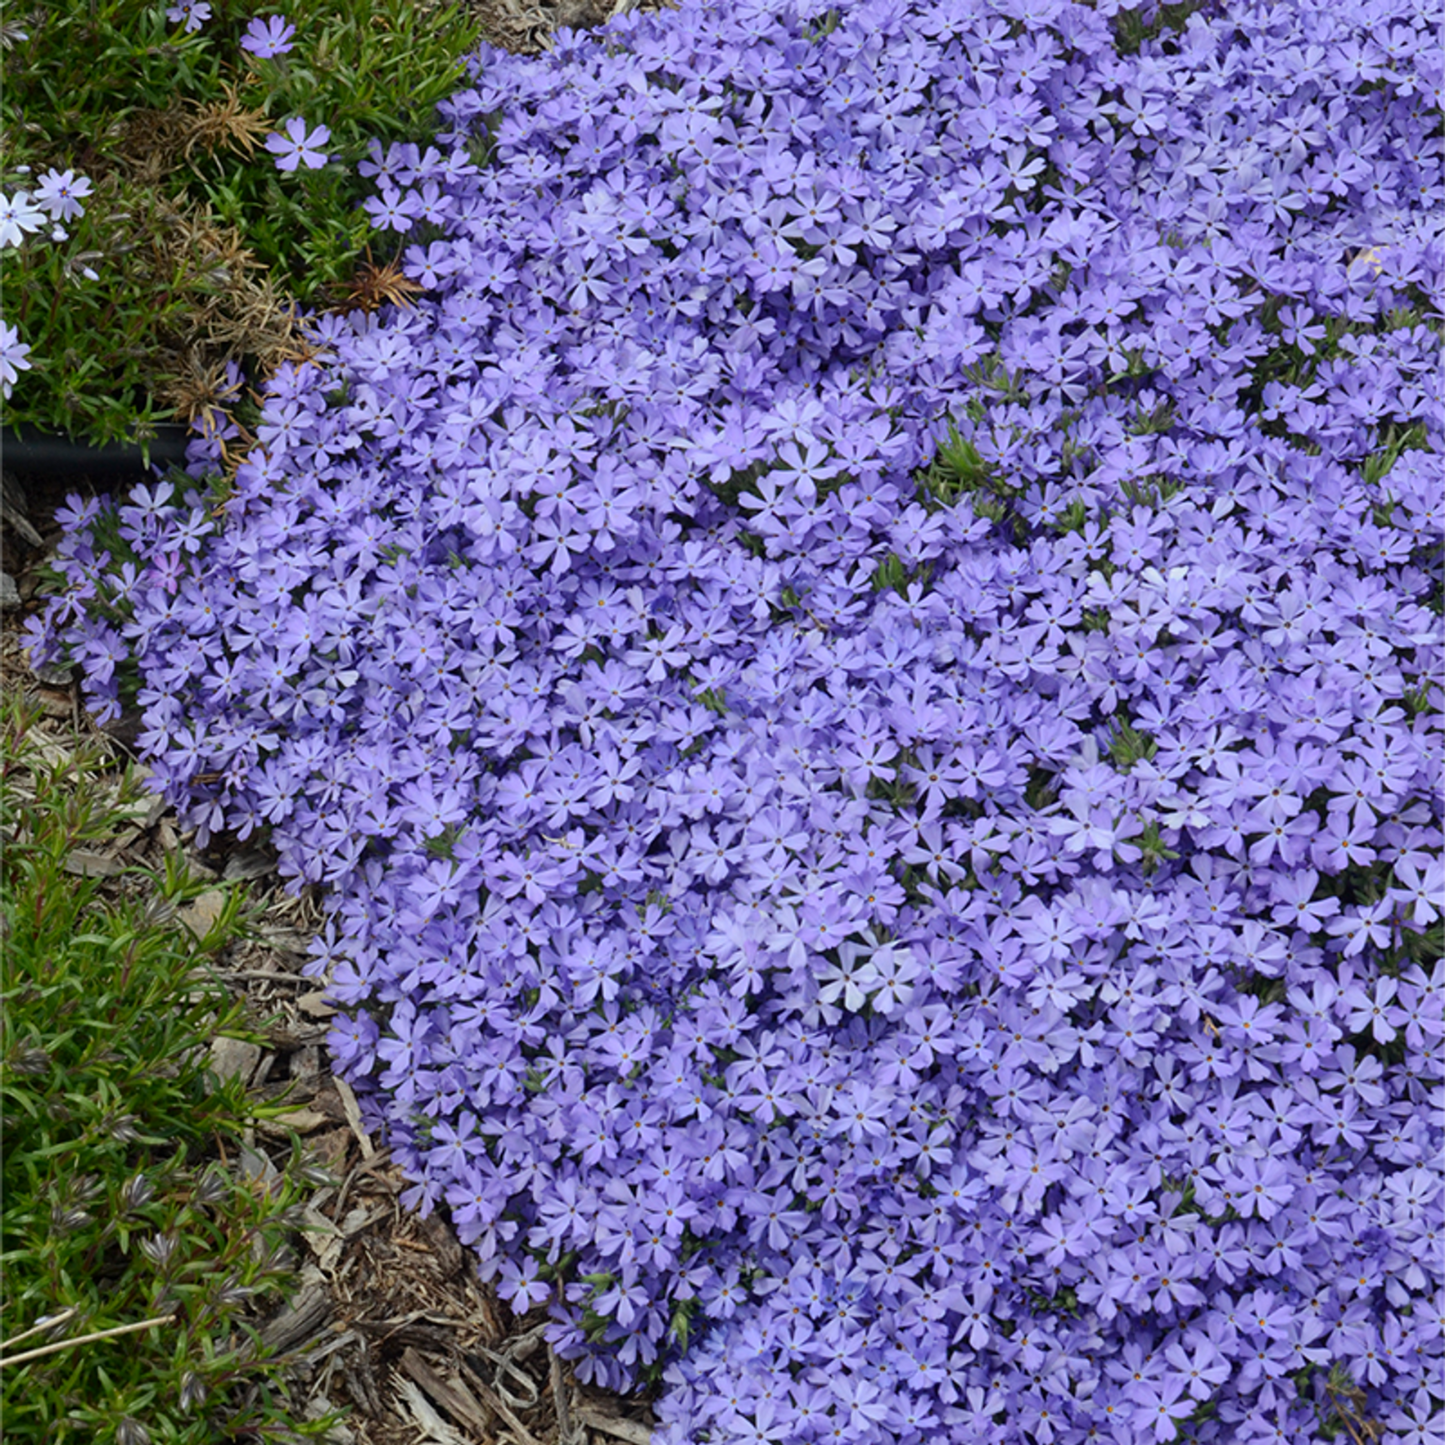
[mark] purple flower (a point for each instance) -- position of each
(194, 13)
(819, 802)
(269, 38)
(297, 147)
(395, 210)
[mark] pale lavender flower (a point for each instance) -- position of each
(61, 192)
(13, 352)
(297, 147)
(269, 38)
(194, 13)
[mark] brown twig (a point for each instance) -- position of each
(1348, 1418)
(502, 1409)
(47, 1323)
(85, 1340)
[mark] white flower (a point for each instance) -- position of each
(61, 192)
(850, 978)
(12, 357)
(17, 217)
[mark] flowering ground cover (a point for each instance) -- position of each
(862, 672)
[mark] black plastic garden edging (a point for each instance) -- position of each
(28, 449)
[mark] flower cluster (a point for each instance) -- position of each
(57, 196)
(271, 40)
(863, 677)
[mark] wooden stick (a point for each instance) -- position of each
(86, 1339)
(45, 1324)
(565, 1432)
(620, 1429)
(452, 1395)
(501, 1408)
(270, 974)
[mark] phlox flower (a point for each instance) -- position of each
(297, 147)
(194, 13)
(269, 38)
(18, 216)
(850, 979)
(519, 1285)
(60, 194)
(1420, 886)
(600, 646)
(393, 210)
(13, 352)
(166, 572)
(895, 969)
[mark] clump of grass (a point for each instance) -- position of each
(136, 1225)
(184, 275)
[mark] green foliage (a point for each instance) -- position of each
(825, 25)
(130, 1198)
(1418, 701)
(1129, 745)
(1149, 491)
(890, 572)
(1153, 849)
(1065, 1302)
(444, 844)
(991, 374)
(959, 470)
(680, 1326)
(1132, 32)
(1393, 443)
(1153, 422)
(1345, 1414)
(191, 232)
(1073, 518)
(737, 483)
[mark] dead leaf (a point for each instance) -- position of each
(201, 913)
(86, 864)
(435, 1429)
(303, 1121)
(234, 1058)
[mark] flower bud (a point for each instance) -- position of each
(193, 1391)
(62, 1221)
(233, 1293)
(138, 1192)
(213, 1187)
(159, 911)
(121, 1128)
(87, 1186)
(158, 1248)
